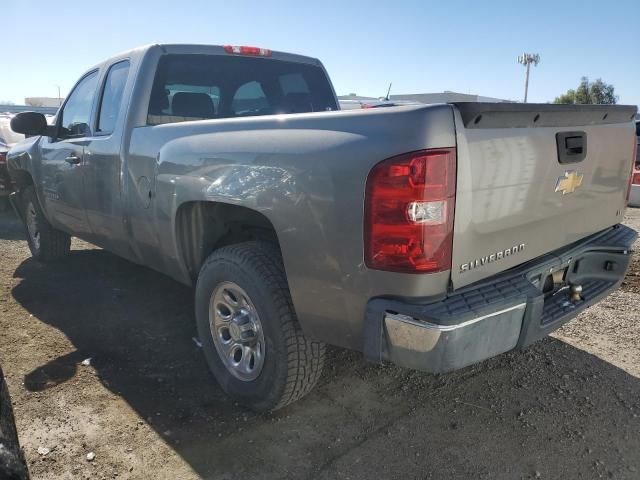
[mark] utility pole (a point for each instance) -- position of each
(59, 98)
(527, 59)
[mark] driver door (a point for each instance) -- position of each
(63, 160)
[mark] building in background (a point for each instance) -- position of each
(447, 97)
(444, 97)
(43, 101)
(44, 105)
(11, 109)
(359, 98)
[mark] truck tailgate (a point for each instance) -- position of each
(515, 200)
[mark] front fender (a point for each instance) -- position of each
(20, 158)
(24, 170)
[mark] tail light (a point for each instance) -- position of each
(634, 176)
(3, 158)
(409, 209)
(243, 50)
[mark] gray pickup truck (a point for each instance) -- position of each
(431, 236)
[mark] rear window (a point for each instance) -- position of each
(197, 87)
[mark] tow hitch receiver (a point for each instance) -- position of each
(576, 293)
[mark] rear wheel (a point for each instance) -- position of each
(249, 330)
(45, 242)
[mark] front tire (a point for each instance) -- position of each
(46, 243)
(250, 335)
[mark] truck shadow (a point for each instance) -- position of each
(10, 226)
(552, 409)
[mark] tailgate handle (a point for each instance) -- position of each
(572, 146)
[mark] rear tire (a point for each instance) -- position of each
(254, 296)
(46, 243)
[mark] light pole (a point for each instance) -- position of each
(59, 98)
(527, 59)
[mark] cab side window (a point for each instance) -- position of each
(112, 97)
(76, 115)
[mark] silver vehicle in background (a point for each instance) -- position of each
(8, 138)
(431, 236)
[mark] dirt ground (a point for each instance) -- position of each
(147, 407)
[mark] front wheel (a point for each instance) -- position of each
(45, 242)
(249, 331)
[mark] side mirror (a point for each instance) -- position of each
(30, 124)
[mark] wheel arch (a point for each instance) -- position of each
(22, 178)
(204, 226)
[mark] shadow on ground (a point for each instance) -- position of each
(10, 226)
(554, 409)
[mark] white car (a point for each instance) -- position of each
(8, 138)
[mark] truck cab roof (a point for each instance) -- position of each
(202, 49)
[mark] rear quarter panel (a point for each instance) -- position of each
(306, 173)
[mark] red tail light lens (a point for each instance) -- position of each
(3, 158)
(409, 209)
(634, 177)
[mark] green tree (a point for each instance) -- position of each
(597, 92)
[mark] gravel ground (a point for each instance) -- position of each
(146, 406)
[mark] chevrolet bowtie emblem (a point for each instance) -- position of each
(569, 182)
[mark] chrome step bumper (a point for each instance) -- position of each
(510, 310)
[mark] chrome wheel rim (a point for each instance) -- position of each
(236, 331)
(32, 225)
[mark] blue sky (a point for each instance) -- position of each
(420, 46)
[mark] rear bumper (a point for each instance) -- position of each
(505, 312)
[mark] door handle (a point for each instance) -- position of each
(73, 159)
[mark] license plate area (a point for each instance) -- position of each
(571, 284)
(551, 281)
